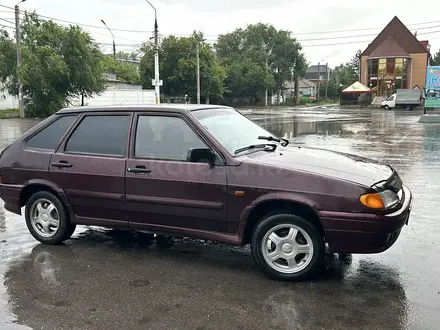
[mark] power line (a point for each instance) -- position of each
(305, 40)
(355, 30)
(144, 31)
(7, 7)
(354, 42)
(364, 35)
(213, 40)
(5, 20)
(316, 45)
(91, 26)
(6, 26)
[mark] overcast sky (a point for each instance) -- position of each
(305, 18)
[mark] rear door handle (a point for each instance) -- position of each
(62, 164)
(138, 169)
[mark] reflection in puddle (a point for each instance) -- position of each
(350, 301)
(2, 218)
(90, 277)
(119, 278)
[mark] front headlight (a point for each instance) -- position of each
(382, 200)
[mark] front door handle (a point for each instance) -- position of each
(138, 169)
(62, 164)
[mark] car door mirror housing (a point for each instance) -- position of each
(202, 155)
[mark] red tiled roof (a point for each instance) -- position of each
(402, 36)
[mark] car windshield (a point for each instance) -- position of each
(233, 130)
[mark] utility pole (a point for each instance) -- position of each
(266, 92)
(114, 45)
(156, 81)
(319, 80)
(18, 41)
(198, 71)
(326, 81)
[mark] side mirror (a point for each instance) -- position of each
(201, 156)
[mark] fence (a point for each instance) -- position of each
(8, 101)
(118, 97)
(108, 97)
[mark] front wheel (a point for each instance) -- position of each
(387, 107)
(47, 219)
(287, 247)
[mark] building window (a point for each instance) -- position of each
(385, 75)
(382, 66)
(391, 66)
(399, 66)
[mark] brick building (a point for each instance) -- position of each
(395, 59)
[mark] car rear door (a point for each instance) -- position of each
(90, 166)
(164, 190)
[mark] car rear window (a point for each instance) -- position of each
(50, 136)
(100, 135)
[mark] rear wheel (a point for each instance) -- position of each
(287, 247)
(408, 107)
(47, 219)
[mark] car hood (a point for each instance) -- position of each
(339, 165)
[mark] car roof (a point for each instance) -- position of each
(147, 107)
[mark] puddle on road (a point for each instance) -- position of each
(10, 129)
(194, 279)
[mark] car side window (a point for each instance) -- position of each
(100, 135)
(161, 137)
(50, 136)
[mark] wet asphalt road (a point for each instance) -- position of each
(105, 279)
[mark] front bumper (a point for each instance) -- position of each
(365, 233)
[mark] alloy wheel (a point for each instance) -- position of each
(45, 218)
(287, 248)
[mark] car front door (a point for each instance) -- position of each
(164, 190)
(90, 166)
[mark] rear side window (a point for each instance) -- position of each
(50, 136)
(101, 135)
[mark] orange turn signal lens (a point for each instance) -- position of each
(373, 201)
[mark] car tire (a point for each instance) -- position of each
(47, 219)
(70, 232)
(298, 243)
(387, 107)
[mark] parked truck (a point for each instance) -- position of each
(403, 98)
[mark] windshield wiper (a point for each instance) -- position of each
(284, 142)
(255, 146)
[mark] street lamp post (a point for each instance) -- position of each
(156, 81)
(18, 42)
(113, 36)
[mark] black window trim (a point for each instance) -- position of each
(204, 139)
(25, 142)
(62, 146)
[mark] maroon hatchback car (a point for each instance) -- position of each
(202, 171)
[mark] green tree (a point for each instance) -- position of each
(178, 67)
(435, 59)
(7, 61)
(355, 63)
(58, 63)
(125, 71)
(259, 58)
(127, 56)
